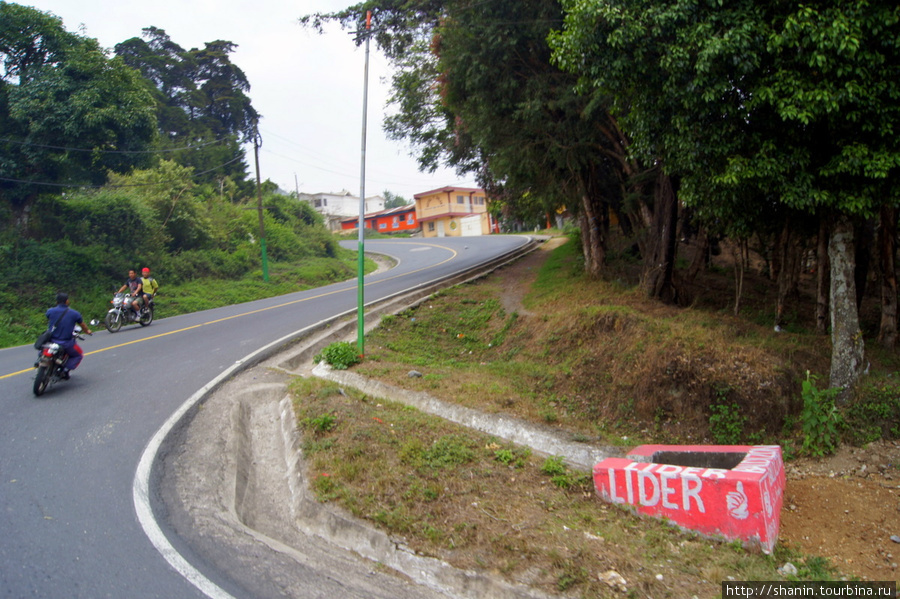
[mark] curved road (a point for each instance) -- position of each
(68, 526)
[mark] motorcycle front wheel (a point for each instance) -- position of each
(113, 321)
(41, 380)
(146, 317)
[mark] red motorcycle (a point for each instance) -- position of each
(51, 364)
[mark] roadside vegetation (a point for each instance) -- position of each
(600, 363)
(134, 157)
(22, 316)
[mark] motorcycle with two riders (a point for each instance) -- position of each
(123, 312)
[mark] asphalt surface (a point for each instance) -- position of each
(81, 468)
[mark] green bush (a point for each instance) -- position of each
(340, 355)
(726, 425)
(321, 424)
(820, 420)
(874, 415)
(553, 466)
(196, 264)
(514, 458)
(451, 450)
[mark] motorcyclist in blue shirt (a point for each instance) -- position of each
(63, 334)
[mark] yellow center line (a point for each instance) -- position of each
(241, 315)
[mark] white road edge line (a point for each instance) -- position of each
(141, 485)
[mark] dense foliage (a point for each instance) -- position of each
(112, 163)
(684, 121)
(68, 113)
(759, 108)
(201, 102)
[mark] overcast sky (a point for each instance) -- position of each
(307, 87)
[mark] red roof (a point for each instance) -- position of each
(387, 212)
(449, 189)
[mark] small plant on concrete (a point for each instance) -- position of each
(340, 355)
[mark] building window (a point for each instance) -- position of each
(479, 200)
(382, 225)
(317, 203)
(430, 227)
(460, 199)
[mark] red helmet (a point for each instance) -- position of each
(145, 271)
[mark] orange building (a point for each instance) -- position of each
(392, 220)
(454, 212)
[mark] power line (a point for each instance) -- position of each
(108, 186)
(67, 149)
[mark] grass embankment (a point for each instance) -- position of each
(597, 361)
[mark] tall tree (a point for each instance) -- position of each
(68, 113)
(201, 101)
(760, 101)
(475, 90)
(392, 200)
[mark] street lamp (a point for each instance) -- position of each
(361, 244)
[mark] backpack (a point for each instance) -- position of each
(150, 286)
(45, 336)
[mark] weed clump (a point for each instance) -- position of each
(340, 355)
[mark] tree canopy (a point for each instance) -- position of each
(760, 118)
(757, 105)
(68, 113)
(475, 89)
(201, 101)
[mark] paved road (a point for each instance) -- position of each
(68, 526)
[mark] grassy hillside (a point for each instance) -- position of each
(601, 359)
(597, 362)
(20, 320)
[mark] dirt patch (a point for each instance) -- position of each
(847, 508)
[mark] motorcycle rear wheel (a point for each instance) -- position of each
(146, 317)
(41, 380)
(113, 321)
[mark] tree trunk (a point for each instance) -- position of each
(823, 278)
(593, 234)
(887, 247)
(865, 237)
(659, 263)
(701, 255)
(847, 345)
(782, 258)
(790, 257)
(738, 256)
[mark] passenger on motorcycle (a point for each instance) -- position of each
(133, 284)
(63, 334)
(149, 286)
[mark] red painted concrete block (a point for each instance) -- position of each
(730, 491)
